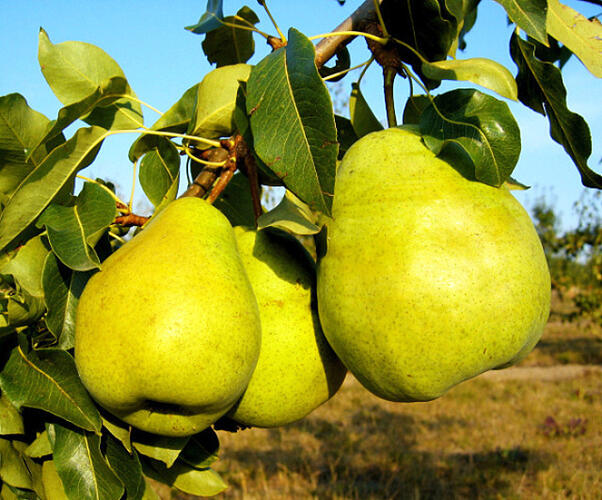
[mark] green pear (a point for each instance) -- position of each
(428, 278)
(168, 332)
(297, 370)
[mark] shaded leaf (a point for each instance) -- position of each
(10, 418)
(23, 309)
(482, 125)
(230, 45)
(484, 72)
(47, 379)
(346, 135)
(62, 288)
(162, 448)
(81, 466)
(45, 182)
(75, 70)
(159, 172)
(176, 119)
(127, 468)
(13, 469)
(236, 202)
(204, 482)
(291, 215)
(210, 20)
(201, 450)
(73, 230)
(292, 121)
(362, 118)
(581, 35)
(40, 447)
(27, 266)
(529, 15)
(540, 87)
(415, 106)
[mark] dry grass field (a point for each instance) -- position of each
(529, 432)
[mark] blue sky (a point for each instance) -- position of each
(161, 60)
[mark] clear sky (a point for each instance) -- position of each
(161, 60)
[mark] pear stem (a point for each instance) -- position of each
(389, 77)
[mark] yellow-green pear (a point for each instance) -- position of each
(428, 278)
(297, 370)
(168, 332)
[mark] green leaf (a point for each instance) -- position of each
(23, 309)
(81, 466)
(204, 482)
(73, 230)
(176, 119)
(201, 450)
(415, 106)
(21, 130)
(162, 448)
(482, 125)
(541, 88)
(45, 182)
(40, 447)
(581, 35)
(13, 469)
(53, 486)
(210, 20)
(346, 135)
(216, 102)
(292, 121)
(75, 70)
(230, 45)
(484, 72)
(47, 379)
(159, 172)
(362, 118)
(236, 202)
(291, 215)
(529, 15)
(62, 288)
(127, 467)
(119, 430)
(27, 266)
(11, 421)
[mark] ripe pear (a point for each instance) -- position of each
(297, 370)
(429, 278)
(168, 332)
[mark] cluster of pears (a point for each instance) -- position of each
(428, 278)
(192, 320)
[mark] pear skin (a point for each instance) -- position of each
(428, 278)
(168, 332)
(297, 370)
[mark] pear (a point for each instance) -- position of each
(297, 370)
(429, 278)
(168, 332)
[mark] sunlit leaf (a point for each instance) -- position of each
(40, 447)
(482, 125)
(581, 35)
(159, 172)
(541, 88)
(362, 117)
(162, 448)
(483, 72)
(73, 230)
(53, 486)
(75, 70)
(529, 15)
(229, 44)
(13, 469)
(11, 421)
(62, 289)
(45, 182)
(81, 466)
(292, 121)
(47, 379)
(27, 265)
(204, 482)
